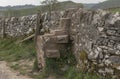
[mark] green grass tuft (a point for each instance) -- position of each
(114, 10)
(10, 51)
(73, 73)
(67, 60)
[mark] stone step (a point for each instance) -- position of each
(60, 32)
(52, 53)
(50, 46)
(59, 39)
(56, 39)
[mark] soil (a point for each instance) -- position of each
(7, 73)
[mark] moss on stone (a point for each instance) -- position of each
(83, 55)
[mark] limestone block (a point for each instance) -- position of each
(115, 61)
(111, 32)
(61, 32)
(50, 45)
(57, 38)
(52, 53)
(62, 39)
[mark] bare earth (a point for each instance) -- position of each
(7, 73)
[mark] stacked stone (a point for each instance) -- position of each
(25, 25)
(50, 45)
(20, 26)
(96, 42)
(107, 46)
(52, 22)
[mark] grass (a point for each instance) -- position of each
(10, 51)
(54, 67)
(18, 56)
(29, 11)
(114, 10)
(61, 68)
(21, 12)
(15, 67)
(72, 73)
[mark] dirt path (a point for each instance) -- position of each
(7, 73)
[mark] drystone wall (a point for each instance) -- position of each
(95, 37)
(96, 42)
(18, 26)
(25, 25)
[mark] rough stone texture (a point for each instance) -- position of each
(50, 45)
(19, 26)
(97, 33)
(40, 52)
(25, 25)
(95, 37)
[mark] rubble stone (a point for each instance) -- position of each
(95, 32)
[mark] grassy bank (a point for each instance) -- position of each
(10, 51)
(114, 10)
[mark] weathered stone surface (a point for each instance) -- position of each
(115, 60)
(52, 53)
(50, 45)
(60, 32)
(40, 52)
(25, 25)
(95, 32)
(20, 26)
(62, 39)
